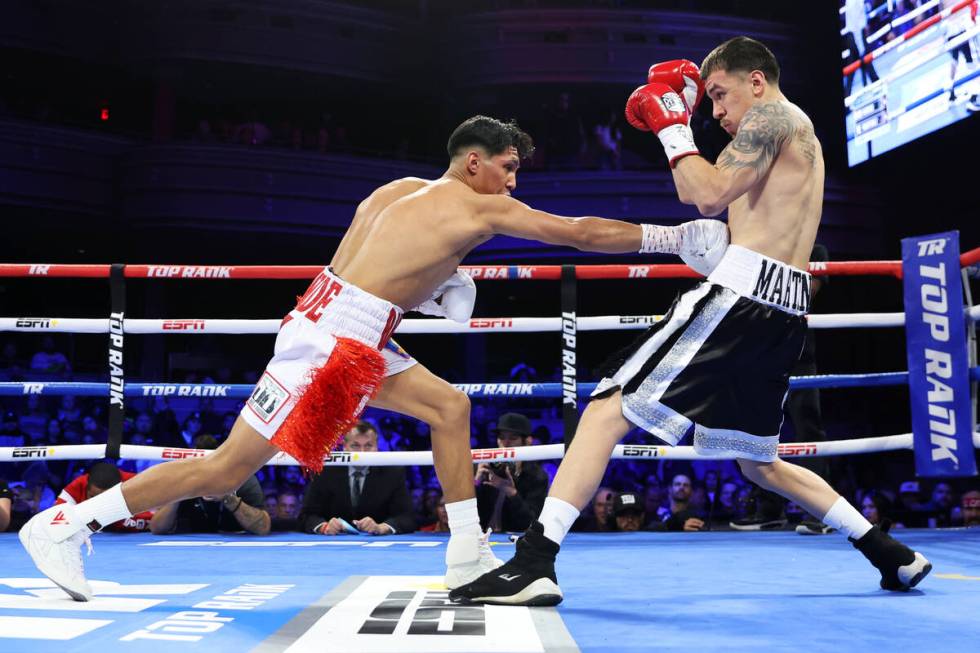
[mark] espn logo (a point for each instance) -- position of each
(179, 454)
(493, 454)
(183, 325)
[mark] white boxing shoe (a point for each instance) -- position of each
(54, 539)
(469, 556)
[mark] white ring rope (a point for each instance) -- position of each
(197, 326)
(533, 453)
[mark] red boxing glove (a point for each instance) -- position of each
(657, 108)
(681, 75)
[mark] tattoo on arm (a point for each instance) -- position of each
(761, 134)
(254, 520)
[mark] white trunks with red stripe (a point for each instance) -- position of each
(329, 309)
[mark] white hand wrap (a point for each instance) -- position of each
(699, 243)
(703, 243)
(453, 299)
(678, 142)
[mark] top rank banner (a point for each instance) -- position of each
(939, 385)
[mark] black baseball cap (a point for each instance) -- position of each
(627, 502)
(513, 422)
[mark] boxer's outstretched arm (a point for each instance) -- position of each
(506, 216)
(740, 166)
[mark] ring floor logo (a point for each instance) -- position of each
(391, 614)
(34, 613)
(413, 614)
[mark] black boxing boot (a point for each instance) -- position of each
(901, 568)
(526, 579)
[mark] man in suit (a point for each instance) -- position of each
(374, 500)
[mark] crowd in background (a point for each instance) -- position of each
(653, 494)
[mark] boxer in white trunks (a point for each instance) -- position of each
(332, 355)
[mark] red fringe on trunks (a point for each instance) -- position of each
(331, 403)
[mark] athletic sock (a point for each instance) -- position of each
(463, 517)
(107, 508)
(557, 517)
(845, 518)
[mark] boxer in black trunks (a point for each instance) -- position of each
(718, 365)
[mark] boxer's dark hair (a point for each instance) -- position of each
(103, 475)
(490, 134)
(742, 54)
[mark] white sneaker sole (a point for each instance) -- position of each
(910, 574)
(79, 594)
(542, 592)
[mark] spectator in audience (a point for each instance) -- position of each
(371, 500)
(653, 495)
(599, 517)
(92, 430)
(510, 496)
(877, 509)
(441, 524)
(54, 433)
(680, 516)
(101, 476)
(32, 494)
(34, 421)
(285, 514)
(430, 498)
(11, 367)
(190, 429)
(909, 496)
(942, 502)
(287, 504)
(608, 137)
(6, 499)
(144, 429)
(970, 506)
(11, 434)
(50, 363)
(724, 509)
(271, 502)
(69, 410)
(628, 509)
(241, 510)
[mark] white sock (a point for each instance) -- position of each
(463, 517)
(557, 517)
(107, 508)
(845, 518)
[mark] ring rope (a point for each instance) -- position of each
(478, 272)
(481, 272)
(485, 389)
(873, 444)
(204, 326)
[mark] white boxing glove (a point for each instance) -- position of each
(703, 243)
(699, 243)
(453, 299)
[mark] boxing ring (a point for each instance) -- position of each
(624, 591)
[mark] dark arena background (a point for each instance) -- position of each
(174, 161)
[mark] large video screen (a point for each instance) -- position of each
(910, 67)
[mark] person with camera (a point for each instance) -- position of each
(509, 496)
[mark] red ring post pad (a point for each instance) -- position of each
(939, 368)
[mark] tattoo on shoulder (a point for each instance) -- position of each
(806, 141)
(763, 131)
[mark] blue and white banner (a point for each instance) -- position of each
(939, 383)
